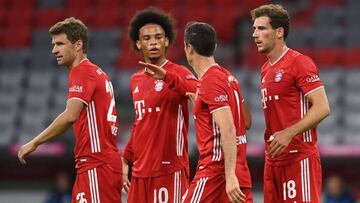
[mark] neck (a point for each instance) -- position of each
(202, 63)
(78, 60)
(277, 52)
(159, 61)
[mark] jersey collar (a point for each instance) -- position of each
(282, 55)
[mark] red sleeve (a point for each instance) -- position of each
(181, 81)
(81, 85)
(306, 75)
(213, 91)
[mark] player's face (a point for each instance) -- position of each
(152, 41)
(64, 50)
(264, 35)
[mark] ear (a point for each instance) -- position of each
(280, 32)
(138, 45)
(191, 49)
(79, 45)
(166, 42)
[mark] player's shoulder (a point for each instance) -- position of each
(216, 71)
(139, 73)
(171, 66)
(86, 66)
(298, 57)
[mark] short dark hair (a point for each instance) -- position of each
(202, 37)
(74, 29)
(279, 17)
(151, 15)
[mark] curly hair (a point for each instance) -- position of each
(151, 15)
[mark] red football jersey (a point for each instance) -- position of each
(284, 87)
(218, 89)
(158, 141)
(96, 128)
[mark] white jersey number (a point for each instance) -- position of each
(109, 89)
(289, 190)
(161, 196)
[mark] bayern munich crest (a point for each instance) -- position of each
(159, 85)
(279, 75)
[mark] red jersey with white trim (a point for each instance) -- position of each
(158, 142)
(284, 87)
(96, 128)
(218, 89)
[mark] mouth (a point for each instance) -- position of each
(58, 58)
(154, 50)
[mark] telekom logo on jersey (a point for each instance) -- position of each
(140, 109)
(265, 97)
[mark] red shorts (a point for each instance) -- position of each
(167, 188)
(211, 189)
(298, 182)
(100, 184)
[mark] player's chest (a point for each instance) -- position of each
(278, 80)
(151, 91)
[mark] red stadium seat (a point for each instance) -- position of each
(23, 4)
(86, 15)
(2, 17)
(198, 4)
(79, 4)
(108, 4)
(352, 58)
(328, 57)
(220, 4)
(225, 23)
(47, 18)
(203, 14)
(128, 57)
(107, 18)
(16, 37)
(12, 17)
(166, 5)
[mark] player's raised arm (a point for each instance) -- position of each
(183, 81)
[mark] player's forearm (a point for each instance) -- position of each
(57, 127)
(228, 144)
(312, 118)
(181, 84)
(125, 165)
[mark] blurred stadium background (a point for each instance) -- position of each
(33, 89)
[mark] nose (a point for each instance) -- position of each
(255, 34)
(153, 40)
(54, 50)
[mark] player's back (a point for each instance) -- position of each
(96, 128)
(218, 89)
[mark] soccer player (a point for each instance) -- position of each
(222, 172)
(294, 102)
(91, 111)
(158, 147)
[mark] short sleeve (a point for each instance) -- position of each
(81, 85)
(213, 92)
(306, 74)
